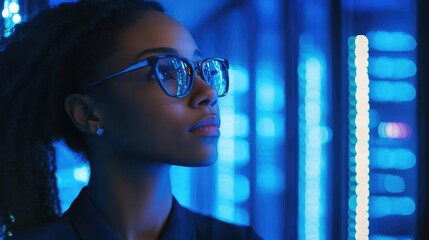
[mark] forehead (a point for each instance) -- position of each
(151, 30)
(156, 30)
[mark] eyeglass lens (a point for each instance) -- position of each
(216, 75)
(176, 75)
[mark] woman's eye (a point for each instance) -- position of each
(166, 74)
(150, 75)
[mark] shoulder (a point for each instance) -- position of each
(60, 229)
(208, 227)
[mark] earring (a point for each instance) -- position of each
(100, 131)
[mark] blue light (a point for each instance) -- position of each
(313, 71)
(239, 79)
(382, 6)
(242, 154)
(313, 112)
(231, 188)
(325, 134)
(270, 178)
(241, 125)
(382, 237)
(242, 188)
(387, 183)
(352, 201)
(227, 146)
(267, 9)
(392, 158)
(391, 41)
(227, 116)
(266, 127)
(269, 93)
(65, 156)
(226, 166)
(392, 68)
(53, 3)
(227, 191)
(270, 125)
(72, 174)
(81, 174)
(265, 98)
(242, 216)
(313, 136)
(384, 206)
(385, 91)
(394, 184)
(225, 212)
(5, 13)
(13, 7)
(180, 184)
(16, 18)
(374, 117)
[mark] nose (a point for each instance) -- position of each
(202, 94)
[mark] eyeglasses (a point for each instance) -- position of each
(175, 74)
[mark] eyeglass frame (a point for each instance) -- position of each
(152, 61)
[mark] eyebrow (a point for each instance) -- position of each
(196, 54)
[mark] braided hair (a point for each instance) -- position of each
(41, 63)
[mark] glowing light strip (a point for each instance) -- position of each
(269, 121)
(225, 205)
(359, 136)
(313, 135)
(239, 146)
(313, 149)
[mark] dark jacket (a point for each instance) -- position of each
(83, 221)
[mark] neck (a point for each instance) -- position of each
(135, 200)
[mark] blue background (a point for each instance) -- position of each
(288, 160)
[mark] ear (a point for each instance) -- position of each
(83, 113)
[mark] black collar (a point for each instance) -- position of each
(90, 224)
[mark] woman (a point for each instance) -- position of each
(125, 86)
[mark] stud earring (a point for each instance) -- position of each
(100, 131)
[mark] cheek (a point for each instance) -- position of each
(149, 132)
(133, 127)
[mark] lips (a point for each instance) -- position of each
(208, 126)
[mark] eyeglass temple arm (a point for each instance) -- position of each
(133, 67)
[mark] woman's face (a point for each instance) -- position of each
(141, 121)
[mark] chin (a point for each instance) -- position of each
(200, 161)
(206, 162)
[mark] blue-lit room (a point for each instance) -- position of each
(324, 127)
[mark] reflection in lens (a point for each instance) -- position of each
(215, 74)
(183, 78)
(178, 81)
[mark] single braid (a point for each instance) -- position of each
(41, 63)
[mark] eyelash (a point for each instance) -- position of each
(150, 74)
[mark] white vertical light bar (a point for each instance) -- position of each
(359, 137)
